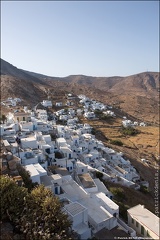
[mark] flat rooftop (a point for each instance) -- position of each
(74, 208)
(40, 169)
(32, 170)
(95, 211)
(119, 169)
(29, 138)
(62, 171)
(50, 180)
(104, 200)
(73, 191)
(61, 140)
(86, 180)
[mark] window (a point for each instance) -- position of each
(23, 118)
(82, 170)
(132, 220)
(137, 224)
(142, 230)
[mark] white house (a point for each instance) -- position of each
(79, 216)
(107, 203)
(34, 174)
(46, 138)
(13, 103)
(26, 126)
(89, 115)
(68, 153)
(63, 117)
(48, 150)
(29, 142)
(142, 124)
(47, 103)
(60, 131)
(35, 171)
(58, 104)
(61, 142)
(52, 182)
(144, 222)
(87, 183)
(98, 216)
(109, 113)
(127, 123)
(9, 129)
(87, 158)
(42, 114)
(40, 125)
(40, 169)
(81, 167)
(64, 163)
(18, 99)
(27, 157)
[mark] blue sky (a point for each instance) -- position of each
(95, 38)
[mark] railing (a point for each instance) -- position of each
(126, 228)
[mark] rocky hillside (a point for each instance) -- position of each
(137, 95)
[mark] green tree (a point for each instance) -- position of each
(43, 217)
(26, 177)
(99, 175)
(12, 199)
(37, 214)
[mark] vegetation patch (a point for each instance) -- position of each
(118, 193)
(129, 131)
(144, 189)
(99, 175)
(116, 142)
(127, 197)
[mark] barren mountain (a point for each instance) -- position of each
(137, 95)
(9, 69)
(24, 89)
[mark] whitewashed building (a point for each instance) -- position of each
(47, 103)
(79, 216)
(145, 223)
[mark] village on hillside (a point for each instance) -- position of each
(64, 155)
